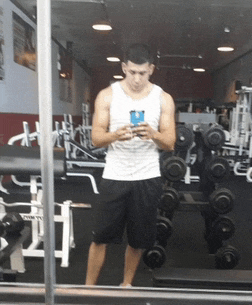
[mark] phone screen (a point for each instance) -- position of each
(136, 117)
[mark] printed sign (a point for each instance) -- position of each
(24, 43)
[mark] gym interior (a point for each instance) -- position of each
(52, 66)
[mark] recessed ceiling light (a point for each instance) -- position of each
(199, 70)
(113, 59)
(225, 49)
(118, 77)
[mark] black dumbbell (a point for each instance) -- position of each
(154, 257)
(227, 258)
(222, 201)
(217, 169)
(214, 137)
(164, 230)
(12, 223)
(169, 201)
(174, 168)
(184, 138)
(223, 228)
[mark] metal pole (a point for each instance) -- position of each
(46, 148)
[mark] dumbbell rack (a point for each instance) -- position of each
(35, 216)
(211, 201)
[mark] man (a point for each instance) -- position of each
(131, 184)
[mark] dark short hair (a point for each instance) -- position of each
(139, 54)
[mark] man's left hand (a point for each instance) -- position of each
(144, 131)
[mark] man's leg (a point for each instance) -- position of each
(132, 259)
(96, 259)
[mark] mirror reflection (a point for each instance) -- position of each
(202, 200)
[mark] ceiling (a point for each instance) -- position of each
(185, 33)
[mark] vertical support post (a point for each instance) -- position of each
(46, 148)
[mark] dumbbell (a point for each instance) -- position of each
(214, 137)
(222, 201)
(184, 138)
(169, 201)
(12, 223)
(164, 230)
(220, 229)
(227, 258)
(154, 257)
(223, 228)
(217, 168)
(174, 168)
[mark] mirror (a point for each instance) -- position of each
(184, 35)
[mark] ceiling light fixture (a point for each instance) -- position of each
(104, 23)
(225, 49)
(199, 70)
(118, 77)
(102, 26)
(113, 59)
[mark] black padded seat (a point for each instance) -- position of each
(17, 160)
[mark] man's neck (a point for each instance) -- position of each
(136, 94)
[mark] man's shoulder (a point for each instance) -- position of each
(166, 100)
(165, 95)
(105, 94)
(106, 91)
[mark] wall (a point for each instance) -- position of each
(19, 89)
(185, 84)
(224, 79)
(181, 84)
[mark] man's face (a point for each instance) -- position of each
(137, 76)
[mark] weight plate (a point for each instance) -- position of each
(214, 138)
(222, 201)
(184, 137)
(174, 168)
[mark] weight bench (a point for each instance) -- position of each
(26, 160)
(203, 278)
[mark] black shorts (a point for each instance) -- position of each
(130, 204)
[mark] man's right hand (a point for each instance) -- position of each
(124, 133)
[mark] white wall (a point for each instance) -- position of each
(19, 90)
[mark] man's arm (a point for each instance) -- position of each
(101, 137)
(165, 138)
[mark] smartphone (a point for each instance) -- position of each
(136, 117)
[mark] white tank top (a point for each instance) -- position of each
(134, 159)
